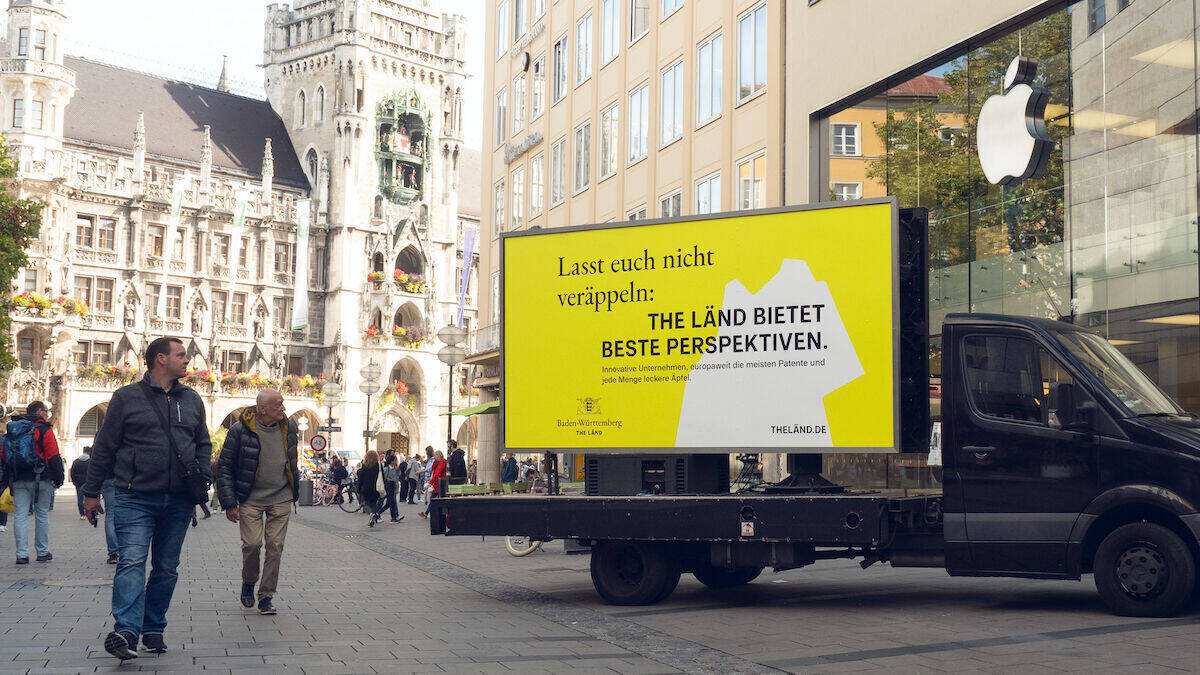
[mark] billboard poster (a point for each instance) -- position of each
(772, 330)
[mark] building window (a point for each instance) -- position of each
(845, 191)
(558, 172)
(610, 129)
(539, 8)
(495, 297)
(222, 252)
(502, 40)
(237, 310)
(610, 30)
(106, 234)
(538, 91)
(174, 301)
(751, 174)
(89, 353)
(752, 52)
(639, 19)
(319, 105)
(671, 206)
(85, 229)
(708, 79)
(501, 117)
(708, 194)
(103, 302)
(583, 49)
(517, 179)
(82, 351)
(845, 140)
(35, 114)
(220, 299)
(498, 197)
(83, 290)
(671, 104)
(519, 19)
(518, 102)
(23, 42)
(283, 258)
(282, 311)
(30, 285)
(244, 253)
(583, 157)
(639, 213)
(537, 173)
(301, 108)
(39, 45)
(1095, 13)
(558, 83)
(18, 117)
(639, 123)
(669, 7)
(234, 362)
(156, 233)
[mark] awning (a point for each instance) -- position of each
(489, 408)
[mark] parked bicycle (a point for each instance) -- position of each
(324, 492)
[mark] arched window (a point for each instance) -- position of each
(310, 161)
(319, 105)
(377, 263)
(300, 109)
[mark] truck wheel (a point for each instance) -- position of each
(719, 577)
(1144, 569)
(633, 573)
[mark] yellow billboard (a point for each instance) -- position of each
(772, 330)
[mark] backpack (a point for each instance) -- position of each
(20, 449)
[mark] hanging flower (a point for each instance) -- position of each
(372, 331)
(401, 388)
(399, 331)
(375, 277)
(399, 275)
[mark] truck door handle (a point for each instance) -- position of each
(980, 451)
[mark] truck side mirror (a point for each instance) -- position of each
(1085, 418)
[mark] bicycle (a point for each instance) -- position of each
(345, 499)
(323, 492)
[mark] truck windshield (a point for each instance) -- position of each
(1129, 384)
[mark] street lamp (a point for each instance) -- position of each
(331, 390)
(370, 385)
(451, 355)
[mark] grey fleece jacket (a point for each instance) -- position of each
(131, 447)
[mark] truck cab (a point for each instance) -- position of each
(1062, 458)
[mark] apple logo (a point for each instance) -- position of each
(1011, 137)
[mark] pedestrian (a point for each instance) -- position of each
(78, 474)
(473, 471)
(369, 486)
(341, 477)
(259, 482)
(154, 435)
(509, 472)
(108, 493)
(414, 478)
(32, 469)
(436, 474)
(402, 470)
(456, 464)
(391, 485)
(215, 502)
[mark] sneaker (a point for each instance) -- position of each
(423, 514)
(3, 528)
(82, 517)
(121, 645)
(22, 561)
(112, 558)
(45, 558)
(247, 597)
(154, 643)
(265, 607)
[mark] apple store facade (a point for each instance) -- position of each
(1106, 233)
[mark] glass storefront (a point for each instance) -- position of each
(1105, 237)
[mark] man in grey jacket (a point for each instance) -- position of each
(150, 509)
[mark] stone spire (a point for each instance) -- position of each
(223, 83)
(206, 156)
(268, 175)
(139, 148)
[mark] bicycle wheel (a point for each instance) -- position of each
(348, 506)
(326, 497)
(520, 546)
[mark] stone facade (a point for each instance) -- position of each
(362, 121)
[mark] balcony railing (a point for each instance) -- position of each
(485, 339)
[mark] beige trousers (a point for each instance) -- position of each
(255, 524)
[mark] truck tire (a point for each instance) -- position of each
(719, 577)
(1144, 569)
(634, 573)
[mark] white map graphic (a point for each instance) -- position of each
(739, 407)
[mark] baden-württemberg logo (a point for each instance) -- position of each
(1012, 140)
(589, 406)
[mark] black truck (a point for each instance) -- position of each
(1060, 458)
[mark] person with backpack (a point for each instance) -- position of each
(33, 469)
(155, 446)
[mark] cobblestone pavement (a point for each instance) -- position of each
(393, 599)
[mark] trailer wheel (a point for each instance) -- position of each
(634, 573)
(1144, 569)
(719, 577)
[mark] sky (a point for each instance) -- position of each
(185, 41)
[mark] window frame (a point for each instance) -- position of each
(560, 76)
(518, 102)
(558, 172)
(756, 41)
(537, 94)
(577, 186)
(707, 182)
(677, 195)
(109, 292)
(675, 70)
(89, 230)
(500, 118)
(588, 59)
(632, 214)
(634, 38)
(612, 127)
(750, 159)
(516, 181)
(665, 13)
(1041, 350)
(502, 27)
(643, 117)
(857, 184)
(716, 86)
(537, 185)
(833, 129)
(610, 31)
(499, 197)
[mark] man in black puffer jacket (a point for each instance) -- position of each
(257, 483)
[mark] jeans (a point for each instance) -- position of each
(149, 525)
(28, 494)
(412, 490)
(110, 528)
(79, 499)
(389, 501)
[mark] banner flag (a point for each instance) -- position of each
(235, 245)
(300, 294)
(468, 259)
(169, 240)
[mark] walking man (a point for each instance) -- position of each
(33, 470)
(78, 473)
(257, 479)
(150, 506)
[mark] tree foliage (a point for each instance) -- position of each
(20, 222)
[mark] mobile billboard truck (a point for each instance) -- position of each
(659, 347)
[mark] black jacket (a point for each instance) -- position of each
(456, 466)
(79, 470)
(131, 447)
(238, 464)
(368, 482)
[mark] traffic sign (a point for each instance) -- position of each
(368, 434)
(317, 443)
(329, 430)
